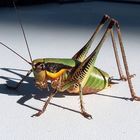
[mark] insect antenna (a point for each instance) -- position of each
(15, 52)
(19, 20)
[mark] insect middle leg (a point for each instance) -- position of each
(83, 112)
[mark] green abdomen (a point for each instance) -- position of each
(97, 81)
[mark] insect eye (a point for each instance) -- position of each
(39, 66)
(42, 66)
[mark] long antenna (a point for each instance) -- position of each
(19, 20)
(15, 52)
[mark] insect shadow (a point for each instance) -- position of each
(29, 91)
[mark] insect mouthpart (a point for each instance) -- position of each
(41, 85)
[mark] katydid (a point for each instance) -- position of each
(78, 75)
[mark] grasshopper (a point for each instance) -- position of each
(78, 75)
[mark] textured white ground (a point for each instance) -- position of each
(60, 31)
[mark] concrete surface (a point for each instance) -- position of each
(60, 31)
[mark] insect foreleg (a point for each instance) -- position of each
(45, 105)
(18, 84)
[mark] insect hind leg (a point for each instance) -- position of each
(121, 74)
(81, 54)
(128, 75)
(113, 80)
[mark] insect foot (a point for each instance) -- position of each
(135, 98)
(86, 115)
(37, 114)
(124, 78)
(132, 76)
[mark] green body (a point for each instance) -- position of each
(96, 80)
(68, 62)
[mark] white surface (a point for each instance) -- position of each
(60, 31)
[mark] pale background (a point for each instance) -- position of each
(60, 31)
